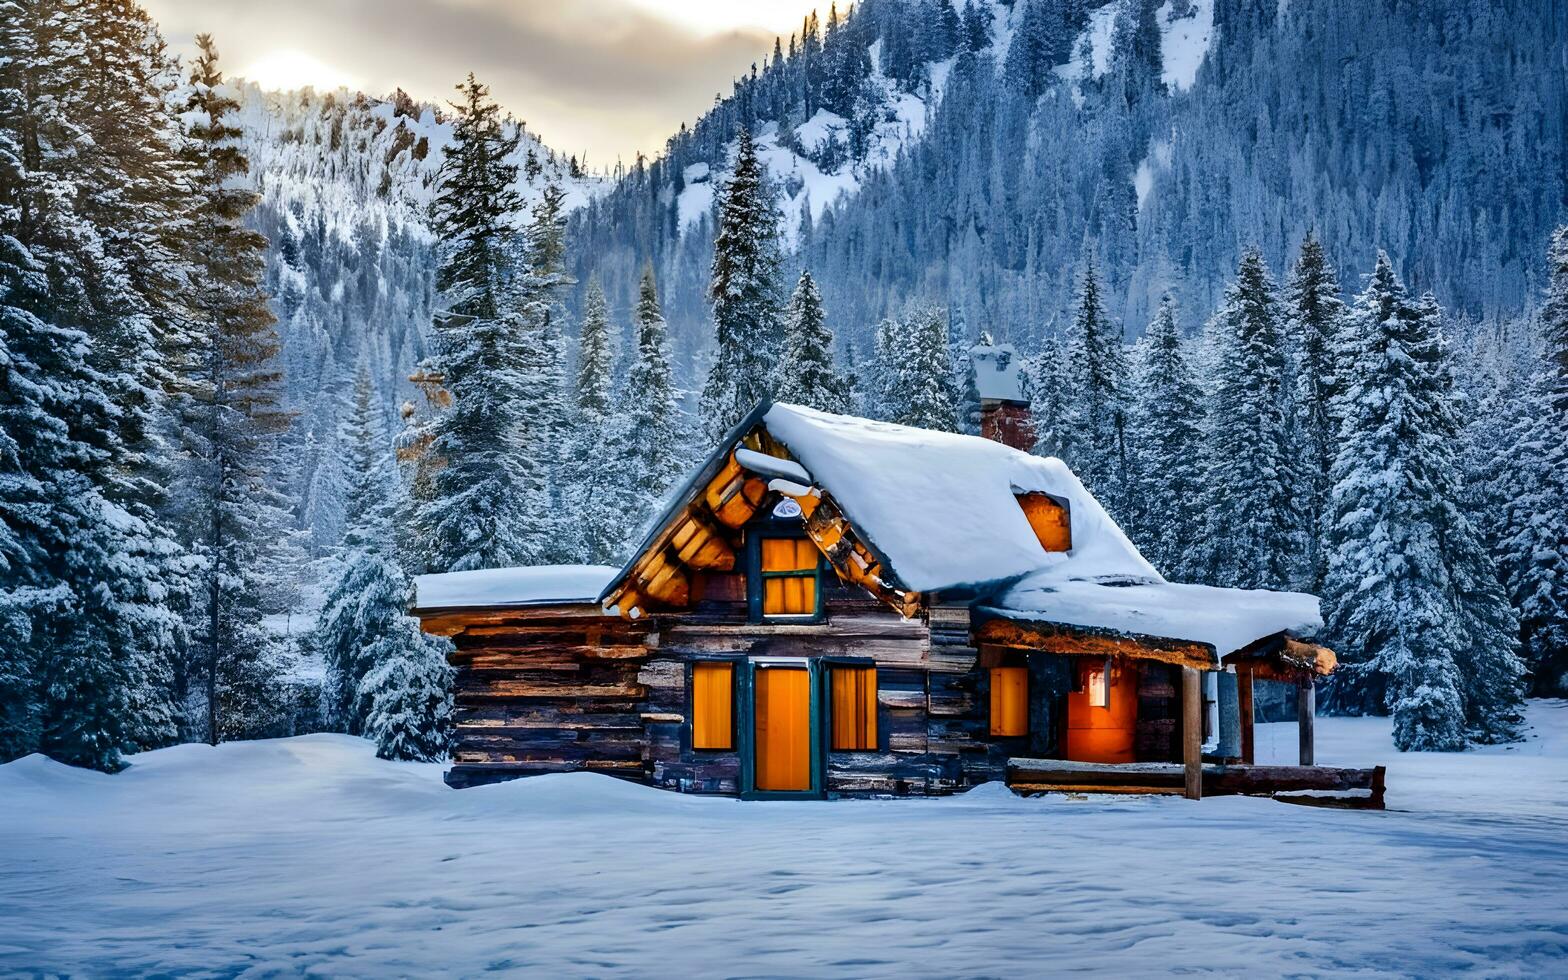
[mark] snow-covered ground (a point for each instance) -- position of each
(307, 855)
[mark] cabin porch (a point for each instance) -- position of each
(1119, 712)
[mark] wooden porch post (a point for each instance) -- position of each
(1306, 707)
(1244, 707)
(1192, 731)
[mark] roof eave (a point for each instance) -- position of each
(696, 479)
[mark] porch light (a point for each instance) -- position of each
(1099, 683)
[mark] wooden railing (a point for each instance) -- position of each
(1309, 785)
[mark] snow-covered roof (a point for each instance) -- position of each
(940, 508)
(1225, 619)
(998, 372)
(536, 585)
(940, 512)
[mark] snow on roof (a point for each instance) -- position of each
(536, 585)
(1225, 619)
(998, 372)
(940, 507)
(784, 469)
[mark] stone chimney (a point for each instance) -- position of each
(1008, 423)
(998, 381)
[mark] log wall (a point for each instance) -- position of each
(556, 689)
(539, 691)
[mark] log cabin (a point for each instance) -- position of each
(830, 606)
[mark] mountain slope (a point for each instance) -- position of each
(345, 182)
(1436, 131)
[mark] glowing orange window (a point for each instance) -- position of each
(1009, 701)
(713, 706)
(1049, 520)
(789, 577)
(854, 691)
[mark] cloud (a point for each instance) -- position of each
(605, 77)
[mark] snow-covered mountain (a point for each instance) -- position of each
(974, 153)
(346, 181)
(985, 149)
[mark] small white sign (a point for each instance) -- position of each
(788, 507)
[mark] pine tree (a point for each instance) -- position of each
(1046, 386)
(1534, 545)
(1096, 375)
(88, 581)
(1554, 316)
(546, 421)
(927, 396)
(881, 394)
(806, 372)
(368, 595)
(595, 356)
(231, 515)
(386, 679)
(977, 24)
(1166, 426)
(1136, 50)
(1313, 317)
(409, 691)
(744, 289)
(1389, 593)
(590, 477)
(488, 503)
(1254, 537)
(657, 456)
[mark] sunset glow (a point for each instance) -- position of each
(289, 68)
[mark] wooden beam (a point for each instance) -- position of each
(1192, 731)
(1306, 708)
(1244, 708)
(1060, 638)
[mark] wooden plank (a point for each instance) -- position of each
(1192, 732)
(1306, 708)
(1058, 638)
(1218, 780)
(1092, 788)
(1245, 710)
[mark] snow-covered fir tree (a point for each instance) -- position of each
(927, 396)
(591, 475)
(386, 678)
(744, 289)
(1314, 313)
(489, 500)
(1532, 462)
(1419, 628)
(1096, 377)
(233, 518)
(1554, 314)
(1254, 537)
(545, 416)
(1166, 431)
(1530, 466)
(90, 226)
(595, 355)
(1045, 384)
(880, 395)
(968, 387)
(658, 441)
(409, 691)
(369, 590)
(806, 374)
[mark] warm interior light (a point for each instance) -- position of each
(1099, 682)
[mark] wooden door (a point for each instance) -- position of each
(783, 729)
(1102, 715)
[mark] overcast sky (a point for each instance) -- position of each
(605, 77)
